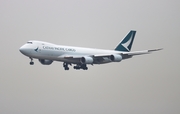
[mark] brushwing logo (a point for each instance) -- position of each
(126, 44)
(36, 49)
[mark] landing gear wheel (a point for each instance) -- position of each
(65, 65)
(86, 68)
(31, 63)
(66, 68)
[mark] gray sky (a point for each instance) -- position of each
(141, 85)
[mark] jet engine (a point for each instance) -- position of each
(86, 60)
(45, 62)
(116, 58)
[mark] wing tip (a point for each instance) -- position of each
(155, 49)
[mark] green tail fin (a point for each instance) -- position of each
(126, 43)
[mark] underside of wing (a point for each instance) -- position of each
(91, 59)
(75, 59)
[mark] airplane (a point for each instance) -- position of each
(46, 53)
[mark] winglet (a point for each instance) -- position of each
(126, 43)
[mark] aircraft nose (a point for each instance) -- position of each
(25, 49)
(22, 49)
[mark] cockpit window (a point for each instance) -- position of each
(29, 42)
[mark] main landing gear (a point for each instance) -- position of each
(65, 65)
(31, 62)
(77, 67)
(82, 66)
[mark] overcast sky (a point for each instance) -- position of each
(147, 84)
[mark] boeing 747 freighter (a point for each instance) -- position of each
(46, 53)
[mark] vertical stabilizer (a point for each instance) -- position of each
(126, 43)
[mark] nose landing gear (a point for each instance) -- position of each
(31, 62)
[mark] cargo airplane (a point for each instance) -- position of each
(46, 53)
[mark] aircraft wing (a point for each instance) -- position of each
(126, 55)
(101, 57)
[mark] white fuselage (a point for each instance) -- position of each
(44, 50)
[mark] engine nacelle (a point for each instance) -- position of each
(116, 58)
(86, 60)
(45, 62)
